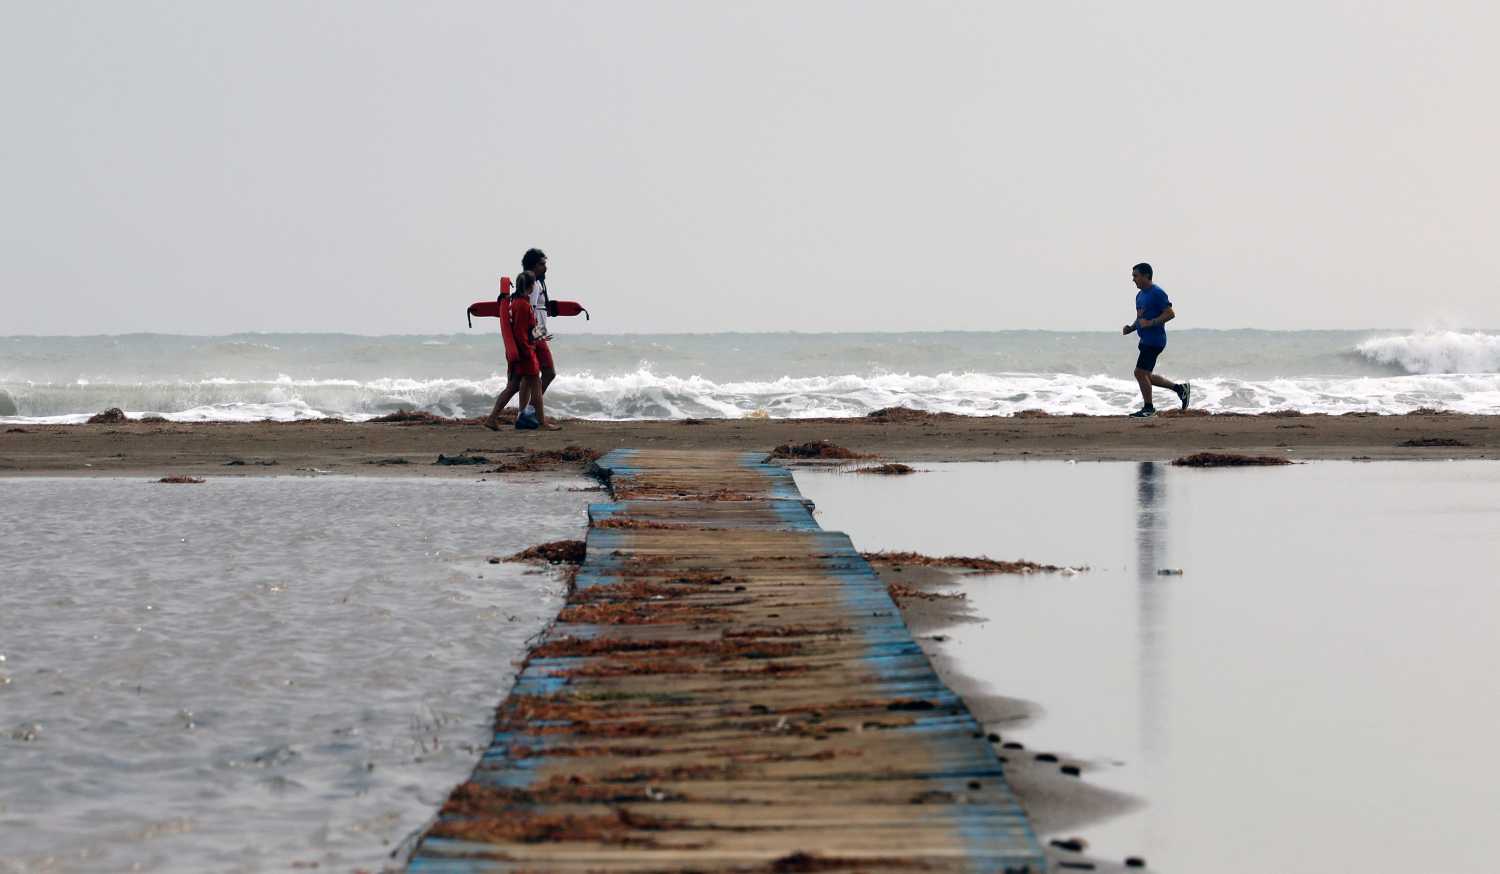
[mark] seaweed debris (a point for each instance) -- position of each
(461, 459)
(1432, 441)
(724, 648)
(650, 613)
(892, 469)
(111, 416)
(182, 480)
(548, 459)
(618, 827)
(903, 592)
(973, 563)
(814, 449)
(1226, 459)
(411, 417)
(555, 552)
(906, 414)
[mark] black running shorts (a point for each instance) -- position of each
(1147, 359)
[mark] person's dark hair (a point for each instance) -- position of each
(524, 281)
(532, 258)
(1142, 268)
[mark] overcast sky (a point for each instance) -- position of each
(371, 167)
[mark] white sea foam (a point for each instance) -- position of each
(1436, 352)
(644, 394)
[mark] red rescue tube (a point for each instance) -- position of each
(498, 309)
(566, 308)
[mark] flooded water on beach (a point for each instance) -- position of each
(255, 674)
(1313, 693)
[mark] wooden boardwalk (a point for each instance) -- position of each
(729, 689)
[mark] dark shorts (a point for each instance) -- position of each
(543, 355)
(1147, 359)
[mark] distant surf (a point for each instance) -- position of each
(289, 377)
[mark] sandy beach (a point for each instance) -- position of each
(374, 449)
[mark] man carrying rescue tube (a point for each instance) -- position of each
(524, 326)
(535, 263)
(1152, 312)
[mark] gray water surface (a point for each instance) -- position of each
(254, 673)
(1314, 693)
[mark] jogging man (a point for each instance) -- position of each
(1152, 312)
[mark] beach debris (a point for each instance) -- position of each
(461, 459)
(548, 459)
(973, 563)
(1184, 414)
(1031, 413)
(111, 416)
(1428, 411)
(386, 461)
(1432, 441)
(1226, 459)
(891, 469)
(478, 823)
(26, 732)
(1072, 845)
(180, 479)
(555, 552)
(1076, 866)
(690, 421)
(808, 863)
(1071, 770)
(1281, 414)
(814, 449)
(411, 417)
(1169, 572)
(1045, 757)
(153, 418)
(902, 592)
(240, 462)
(16, 431)
(1134, 862)
(901, 414)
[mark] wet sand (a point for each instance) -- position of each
(373, 449)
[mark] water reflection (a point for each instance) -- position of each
(1151, 620)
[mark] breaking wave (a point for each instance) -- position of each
(644, 394)
(1436, 352)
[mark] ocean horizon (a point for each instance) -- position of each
(291, 376)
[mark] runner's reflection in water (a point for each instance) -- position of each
(1151, 622)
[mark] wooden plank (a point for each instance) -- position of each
(729, 686)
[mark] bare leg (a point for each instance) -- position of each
(1163, 382)
(535, 382)
(1143, 378)
(547, 376)
(512, 386)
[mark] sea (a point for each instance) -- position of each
(292, 376)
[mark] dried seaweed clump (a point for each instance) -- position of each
(556, 552)
(1225, 459)
(111, 416)
(619, 827)
(973, 563)
(649, 613)
(813, 449)
(411, 417)
(905, 414)
(903, 592)
(1184, 414)
(892, 469)
(548, 459)
(1432, 441)
(1033, 413)
(1429, 411)
(182, 480)
(598, 646)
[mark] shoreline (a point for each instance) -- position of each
(404, 449)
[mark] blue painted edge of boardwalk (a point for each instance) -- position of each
(890, 653)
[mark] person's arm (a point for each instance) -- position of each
(1167, 315)
(1130, 328)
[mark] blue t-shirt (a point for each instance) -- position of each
(1152, 302)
